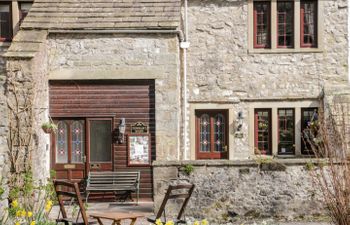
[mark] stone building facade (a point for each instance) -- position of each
(200, 66)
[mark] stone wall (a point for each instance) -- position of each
(223, 189)
(222, 69)
(90, 56)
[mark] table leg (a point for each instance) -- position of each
(133, 221)
(99, 221)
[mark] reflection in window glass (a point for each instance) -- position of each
(5, 22)
(263, 131)
(286, 131)
(100, 141)
(285, 26)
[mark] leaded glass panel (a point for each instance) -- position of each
(78, 141)
(62, 142)
(204, 133)
(219, 133)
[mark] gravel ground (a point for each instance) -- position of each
(147, 209)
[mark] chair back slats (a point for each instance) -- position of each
(181, 192)
(60, 188)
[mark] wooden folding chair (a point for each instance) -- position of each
(70, 191)
(182, 191)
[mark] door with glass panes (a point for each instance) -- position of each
(81, 145)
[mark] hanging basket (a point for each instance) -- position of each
(48, 130)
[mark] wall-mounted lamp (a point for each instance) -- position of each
(121, 132)
(239, 121)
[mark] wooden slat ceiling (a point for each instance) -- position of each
(103, 14)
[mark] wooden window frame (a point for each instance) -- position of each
(303, 144)
(302, 43)
(256, 129)
(8, 39)
(293, 21)
(255, 24)
(278, 132)
(211, 154)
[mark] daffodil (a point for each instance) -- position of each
(169, 223)
(204, 222)
(32, 223)
(18, 213)
(196, 223)
(159, 222)
(17, 223)
(14, 204)
(48, 206)
(29, 214)
(23, 213)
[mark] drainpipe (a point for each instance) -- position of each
(184, 45)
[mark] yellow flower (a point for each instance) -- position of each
(17, 223)
(32, 223)
(18, 213)
(159, 222)
(29, 214)
(23, 213)
(14, 204)
(204, 222)
(169, 223)
(48, 206)
(196, 223)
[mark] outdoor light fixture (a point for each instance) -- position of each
(239, 121)
(121, 132)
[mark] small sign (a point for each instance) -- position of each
(139, 150)
(69, 166)
(139, 128)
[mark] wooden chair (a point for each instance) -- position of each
(65, 191)
(182, 191)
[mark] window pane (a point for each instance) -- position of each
(263, 131)
(308, 116)
(286, 131)
(285, 27)
(219, 133)
(204, 134)
(100, 140)
(5, 24)
(62, 142)
(308, 14)
(262, 24)
(78, 141)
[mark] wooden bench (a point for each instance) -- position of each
(113, 182)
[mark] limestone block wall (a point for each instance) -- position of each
(224, 189)
(222, 69)
(108, 56)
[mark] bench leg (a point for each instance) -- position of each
(133, 221)
(87, 197)
(137, 198)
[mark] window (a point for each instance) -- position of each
(263, 143)
(308, 115)
(286, 131)
(24, 8)
(308, 23)
(211, 134)
(284, 25)
(5, 22)
(285, 29)
(262, 17)
(70, 141)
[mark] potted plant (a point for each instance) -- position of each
(49, 127)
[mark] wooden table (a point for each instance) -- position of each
(116, 217)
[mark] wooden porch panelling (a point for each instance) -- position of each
(129, 99)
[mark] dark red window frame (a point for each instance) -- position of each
(286, 151)
(285, 25)
(261, 130)
(305, 147)
(312, 37)
(266, 15)
(211, 153)
(9, 23)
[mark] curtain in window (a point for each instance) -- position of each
(308, 13)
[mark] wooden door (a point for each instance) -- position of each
(68, 149)
(211, 134)
(99, 148)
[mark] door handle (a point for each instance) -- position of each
(225, 148)
(84, 159)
